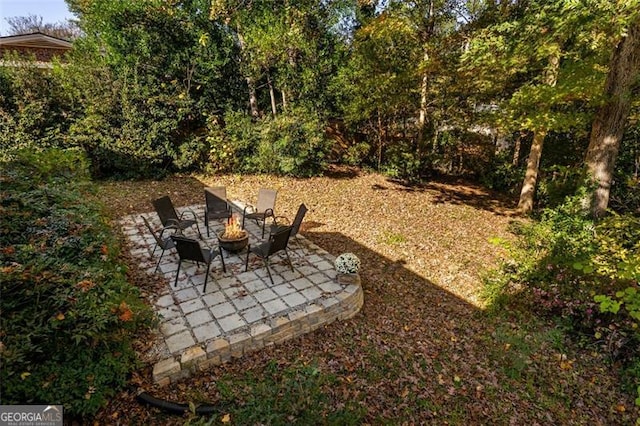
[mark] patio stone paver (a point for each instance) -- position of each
(241, 310)
(180, 341)
(231, 322)
(199, 317)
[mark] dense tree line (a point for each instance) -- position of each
(412, 88)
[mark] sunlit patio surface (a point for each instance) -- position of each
(240, 311)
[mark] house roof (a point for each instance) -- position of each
(35, 40)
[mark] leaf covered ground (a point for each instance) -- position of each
(423, 349)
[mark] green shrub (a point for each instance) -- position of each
(292, 143)
(580, 272)
(68, 312)
(35, 110)
(502, 175)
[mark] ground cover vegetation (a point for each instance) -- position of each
(536, 99)
(68, 313)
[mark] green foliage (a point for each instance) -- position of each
(582, 272)
(625, 190)
(68, 312)
(502, 175)
(292, 143)
(35, 110)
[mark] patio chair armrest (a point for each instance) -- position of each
(164, 228)
(269, 212)
(195, 217)
(247, 207)
(281, 220)
(172, 223)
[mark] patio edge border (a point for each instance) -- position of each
(342, 306)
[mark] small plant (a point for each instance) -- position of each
(347, 263)
(390, 237)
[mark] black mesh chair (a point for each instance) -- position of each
(263, 209)
(190, 249)
(216, 205)
(277, 242)
(282, 221)
(165, 243)
(169, 217)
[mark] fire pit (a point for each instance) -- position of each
(233, 238)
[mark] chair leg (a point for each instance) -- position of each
(206, 278)
(246, 262)
(158, 263)
(206, 223)
(175, 284)
(224, 268)
(266, 264)
(264, 223)
(289, 259)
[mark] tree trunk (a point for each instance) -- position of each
(516, 149)
(253, 99)
(525, 205)
(380, 141)
(284, 98)
(251, 85)
(422, 117)
(608, 125)
(424, 82)
(272, 94)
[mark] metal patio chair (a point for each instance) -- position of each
(277, 242)
(169, 217)
(216, 205)
(190, 249)
(281, 221)
(165, 243)
(263, 209)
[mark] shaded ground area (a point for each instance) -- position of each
(422, 350)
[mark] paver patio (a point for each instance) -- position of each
(241, 311)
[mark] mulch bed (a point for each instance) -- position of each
(422, 349)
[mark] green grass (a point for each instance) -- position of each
(298, 395)
(391, 238)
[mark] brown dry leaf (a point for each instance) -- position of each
(423, 249)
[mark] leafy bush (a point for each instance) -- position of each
(68, 312)
(582, 272)
(502, 175)
(233, 143)
(35, 110)
(292, 143)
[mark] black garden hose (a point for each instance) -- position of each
(173, 407)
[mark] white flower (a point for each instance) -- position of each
(347, 263)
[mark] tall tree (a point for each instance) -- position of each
(542, 64)
(608, 126)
